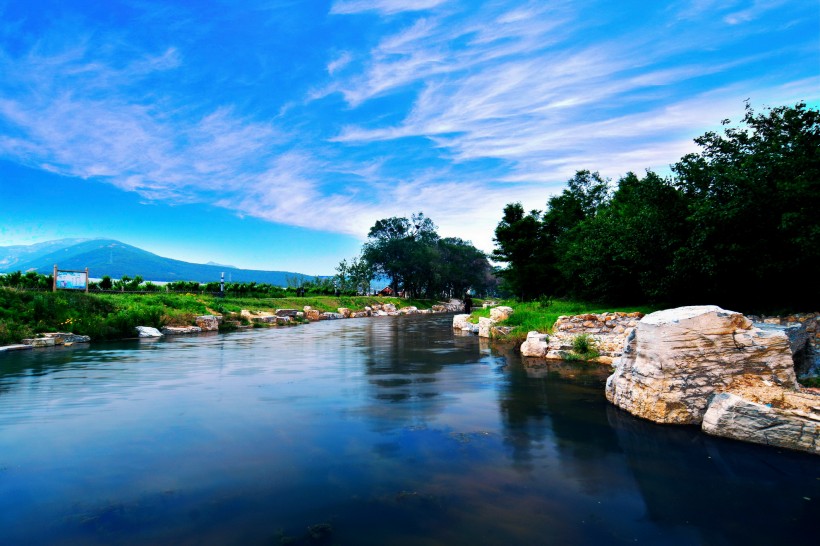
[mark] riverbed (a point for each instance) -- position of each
(390, 430)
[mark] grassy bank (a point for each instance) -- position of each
(541, 315)
(113, 316)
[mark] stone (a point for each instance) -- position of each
(732, 416)
(180, 330)
(501, 313)
(61, 338)
(208, 323)
(484, 325)
(460, 321)
(147, 331)
(286, 313)
(40, 342)
(18, 347)
(535, 345)
(675, 360)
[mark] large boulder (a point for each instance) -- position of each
(484, 326)
(460, 321)
(501, 313)
(783, 422)
(675, 360)
(147, 331)
(535, 345)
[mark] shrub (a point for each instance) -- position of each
(583, 348)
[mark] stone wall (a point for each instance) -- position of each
(609, 330)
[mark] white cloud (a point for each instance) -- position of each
(387, 7)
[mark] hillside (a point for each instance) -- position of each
(116, 259)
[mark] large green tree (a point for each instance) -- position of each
(420, 263)
(754, 196)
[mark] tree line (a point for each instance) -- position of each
(736, 224)
(297, 286)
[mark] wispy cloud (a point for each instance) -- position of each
(450, 107)
(387, 7)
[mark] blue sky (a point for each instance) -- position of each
(273, 134)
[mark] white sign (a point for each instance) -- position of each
(72, 280)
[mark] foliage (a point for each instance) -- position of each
(114, 315)
(419, 262)
(584, 347)
(31, 280)
(736, 225)
(534, 316)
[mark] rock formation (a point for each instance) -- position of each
(208, 323)
(147, 331)
(535, 345)
(794, 426)
(680, 365)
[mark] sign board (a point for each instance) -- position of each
(70, 280)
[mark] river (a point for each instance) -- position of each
(383, 431)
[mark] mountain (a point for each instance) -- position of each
(10, 256)
(116, 259)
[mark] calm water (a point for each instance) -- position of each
(373, 432)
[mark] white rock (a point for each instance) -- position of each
(501, 313)
(459, 321)
(676, 359)
(147, 331)
(484, 326)
(535, 344)
(731, 416)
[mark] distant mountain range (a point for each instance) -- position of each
(116, 259)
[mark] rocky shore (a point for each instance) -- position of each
(211, 323)
(735, 376)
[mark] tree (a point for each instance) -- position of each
(624, 252)
(420, 263)
(520, 244)
(106, 283)
(753, 194)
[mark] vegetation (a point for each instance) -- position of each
(420, 263)
(25, 313)
(584, 348)
(735, 225)
(541, 315)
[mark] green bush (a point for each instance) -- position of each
(584, 347)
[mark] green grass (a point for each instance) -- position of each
(542, 315)
(113, 316)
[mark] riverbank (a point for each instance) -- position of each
(542, 316)
(27, 315)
